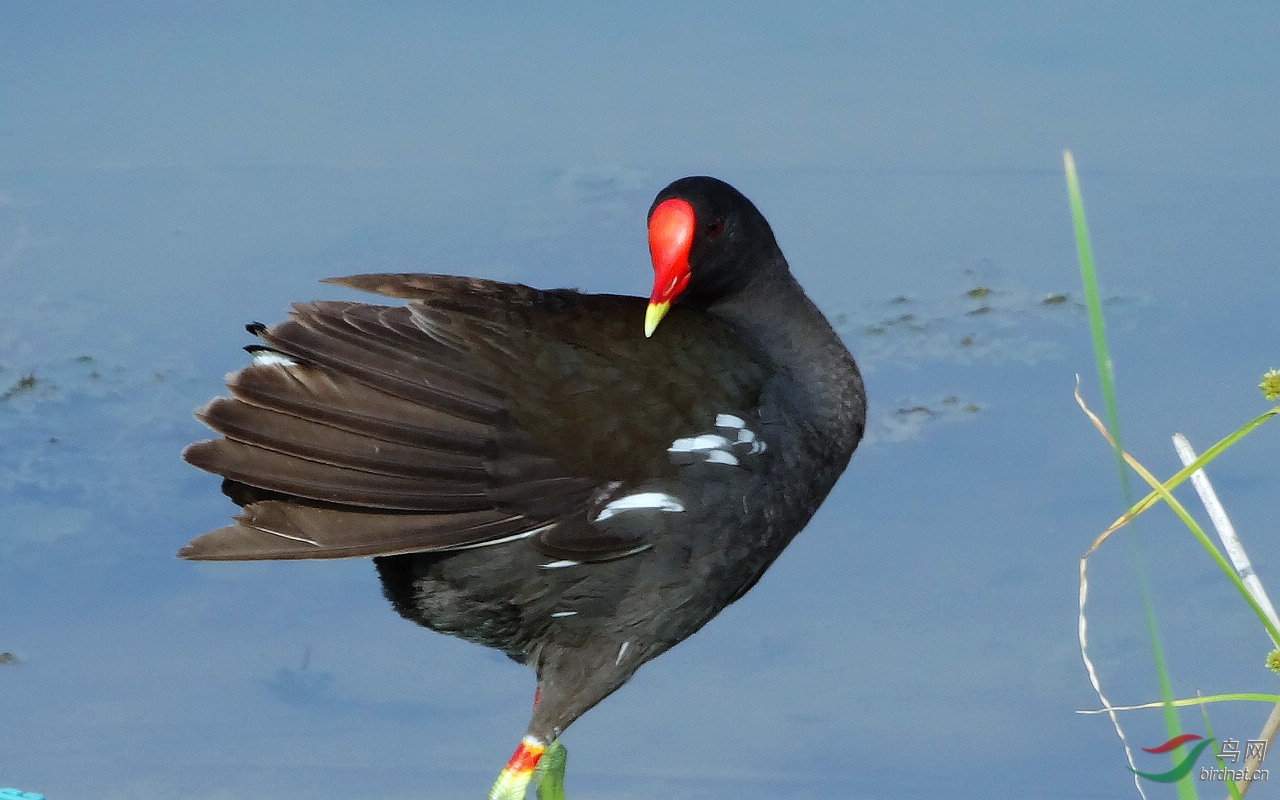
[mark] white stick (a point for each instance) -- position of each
(1226, 532)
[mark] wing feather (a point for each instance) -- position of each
(478, 413)
(285, 530)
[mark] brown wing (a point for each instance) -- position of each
(479, 413)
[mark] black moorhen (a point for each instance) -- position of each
(533, 474)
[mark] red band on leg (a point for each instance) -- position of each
(526, 756)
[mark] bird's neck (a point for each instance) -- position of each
(775, 313)
(785, 325)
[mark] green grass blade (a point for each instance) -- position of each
(1208, 729)
(1198, 700)
(1201, 460)
(1102, 357)
(1097, 326)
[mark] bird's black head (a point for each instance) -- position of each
(707, 241)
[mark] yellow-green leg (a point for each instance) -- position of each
(543, 764)
(548, 776)
(514, 778)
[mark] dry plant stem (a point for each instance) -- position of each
(1102, 429)
(1083, 634)
(1083, 626)
(1251, 766)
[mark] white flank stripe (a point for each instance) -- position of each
(659, 500)
(622, 651)
(722, 457)
(729, 421)
(561, 564)
(707, 441)
(745, 436)
(564, 613)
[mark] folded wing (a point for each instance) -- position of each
(479, 413)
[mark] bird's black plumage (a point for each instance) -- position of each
(529, 470)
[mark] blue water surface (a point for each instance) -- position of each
(170, 173)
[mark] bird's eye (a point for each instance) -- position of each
(714, 227)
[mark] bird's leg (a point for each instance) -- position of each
(533, 760)
(515, 777)
(548, 776)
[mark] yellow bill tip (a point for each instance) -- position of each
(653, 315)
